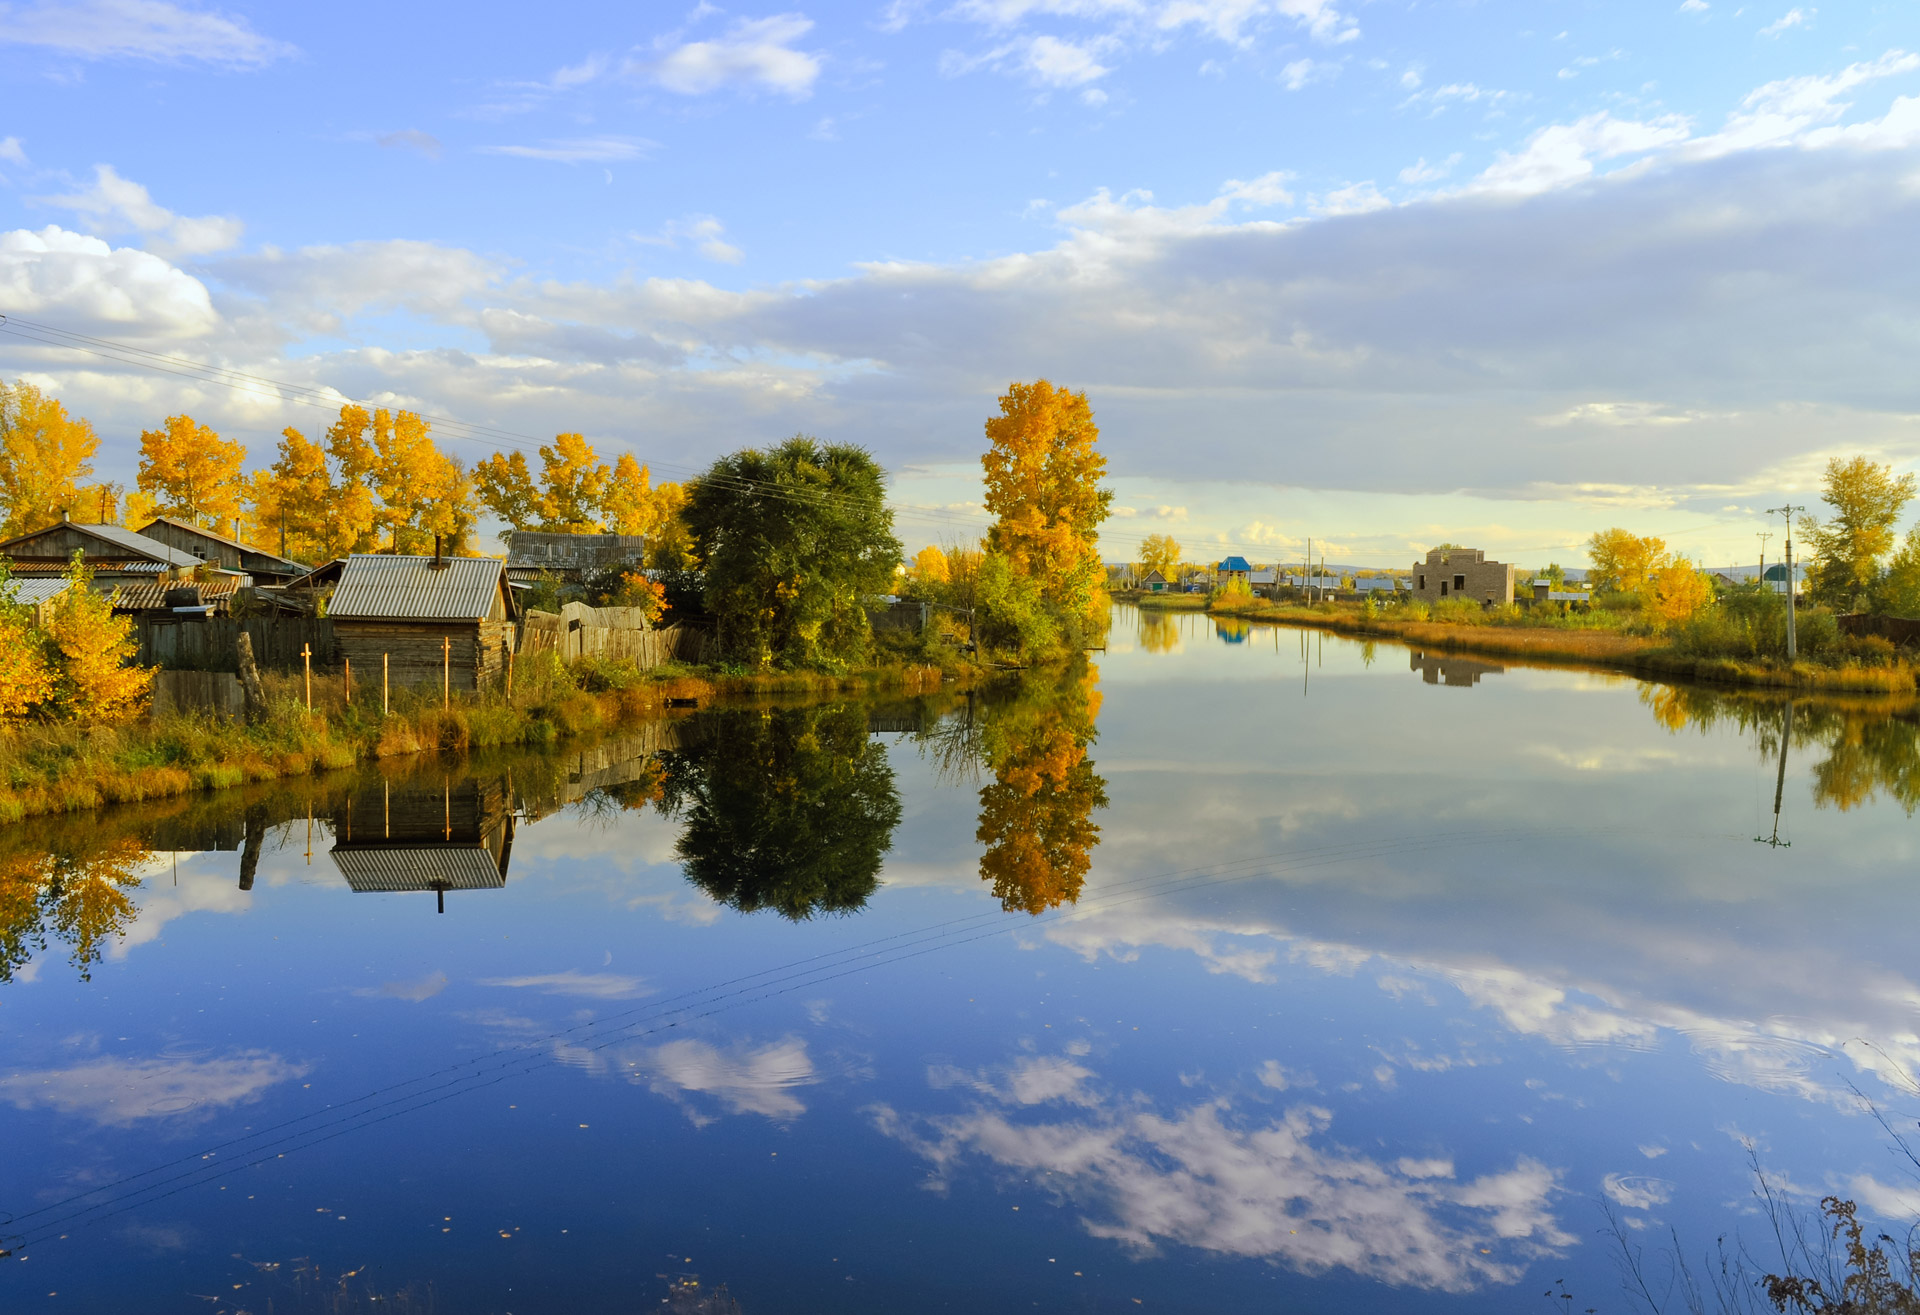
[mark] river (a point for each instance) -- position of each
(1248, 969)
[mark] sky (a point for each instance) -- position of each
(1379, 274)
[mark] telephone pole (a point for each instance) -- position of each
(1763, 536)
(1787, 512)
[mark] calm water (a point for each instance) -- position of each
(1253, 970)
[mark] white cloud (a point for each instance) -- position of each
(119, 205)
(140, 29)
(1422, 172)
(590, 986)
(1888, 1200)
(1694, 6)
(1353, 199)
(755, 54)
(579, 150)
(411, 139)
(84, 282)
(1636, 1191)
(1791, 19)
(1563, 153)
(1228, 20)
(706, 233)
(121, 1093)
(760, 1080)
(12, 151)
(1781, 112)
(1305, 72)
(1055, 63)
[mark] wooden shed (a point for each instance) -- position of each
(412, 610)
(218, 549)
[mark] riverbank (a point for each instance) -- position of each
(1639, 655)
(68, 767)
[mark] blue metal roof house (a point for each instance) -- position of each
(1234, 568)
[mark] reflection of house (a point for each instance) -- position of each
(1450, 669)
(419, 613)
(220, 551)
(419, 837)
(1462, 573)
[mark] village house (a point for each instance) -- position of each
(114, 554)
(423, 616)
(227, 554)
(1462, 573)
(1231, 569)
(1153, 583)
(570, 558)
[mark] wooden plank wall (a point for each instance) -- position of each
(645, 648)
(213, 644)
(214, 692)
(414, 653)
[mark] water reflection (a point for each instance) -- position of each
(791, 809)
(1158, 634)
(1036, 815)
(418, 838)
(72, 887)
(1451, 668)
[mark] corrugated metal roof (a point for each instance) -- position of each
(221, 538)
(378, 587)
(100, 566)
(149, 597)
(414, 867)
(139, 543)
(33, 592)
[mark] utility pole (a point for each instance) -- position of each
(1787, 512)
(1763, 536)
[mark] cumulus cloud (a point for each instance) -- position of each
(706, 233)
(86, 283)
(124, 1093)
(743, 1079)
(12, 151)
(113, 205)
(755, 54)
(1278, 1189)
(140, 29)
(1563, 153)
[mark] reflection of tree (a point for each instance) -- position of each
(1158, 634)
(1869, 751)
(79, 897)
(1035, 817)
(789, 809)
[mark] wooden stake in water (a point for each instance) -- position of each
(306, 660)
(446, 672)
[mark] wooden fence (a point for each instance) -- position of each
(215, 692)
(547, 633)
(1896, 629)
(212, 644)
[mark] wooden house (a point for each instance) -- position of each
(218, 550)
(424, 615)
(1153, 583)
(116, 555)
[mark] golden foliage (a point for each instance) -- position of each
(96, 681)
(323, 519)
(930, 566)
(80, 898)
(44, 454)
(1036, 816)
(574, 480)
(1043, 488)
(1623, 560)
(1159, 552)
(26, 677)
(193, 473)
(505, 488)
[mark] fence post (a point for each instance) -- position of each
(446, 672)
(306, 660)
(383, 684)
(509, 672)
(347, 678)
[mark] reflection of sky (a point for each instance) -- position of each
(1377, 991)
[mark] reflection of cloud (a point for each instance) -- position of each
(1201, 1178)
(1636, 1191)
(593, 986)
(122, 1092)
(424, 988)
(745, 1080)
(1030, 1080)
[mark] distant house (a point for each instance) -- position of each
(36, 594)
(114, 554)
(1377, 584)
(1776, 577)
(570, 557)
(1153, 583)
(421, 612)
(219, 550)
(1232, 569)
(1462, 573)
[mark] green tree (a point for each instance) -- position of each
(795, 542)
(1847, 546)
(792, 809)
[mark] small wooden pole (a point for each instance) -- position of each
(509, 673)
(446, 671)
(347, 678)
(383, 684)
(306, 660)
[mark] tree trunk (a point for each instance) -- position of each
(256, 697)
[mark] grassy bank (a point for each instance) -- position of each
(1563, 640)
(58, 767)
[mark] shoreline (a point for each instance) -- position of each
(1601, 650)
(56, 768)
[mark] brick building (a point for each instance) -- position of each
(1462, 573)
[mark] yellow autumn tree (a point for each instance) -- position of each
(1622, 561)
(1676, 589)
(423, 493)
(299, 509)
(929, 566)
(1159, 552)
(44, 454)
(193, 473)
(1043, 489)
(96, 678)
(572, 482)
(26, 677)
(505, 487)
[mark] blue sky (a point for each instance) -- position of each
(1382, 274)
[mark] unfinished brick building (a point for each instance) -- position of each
(1462, 573)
